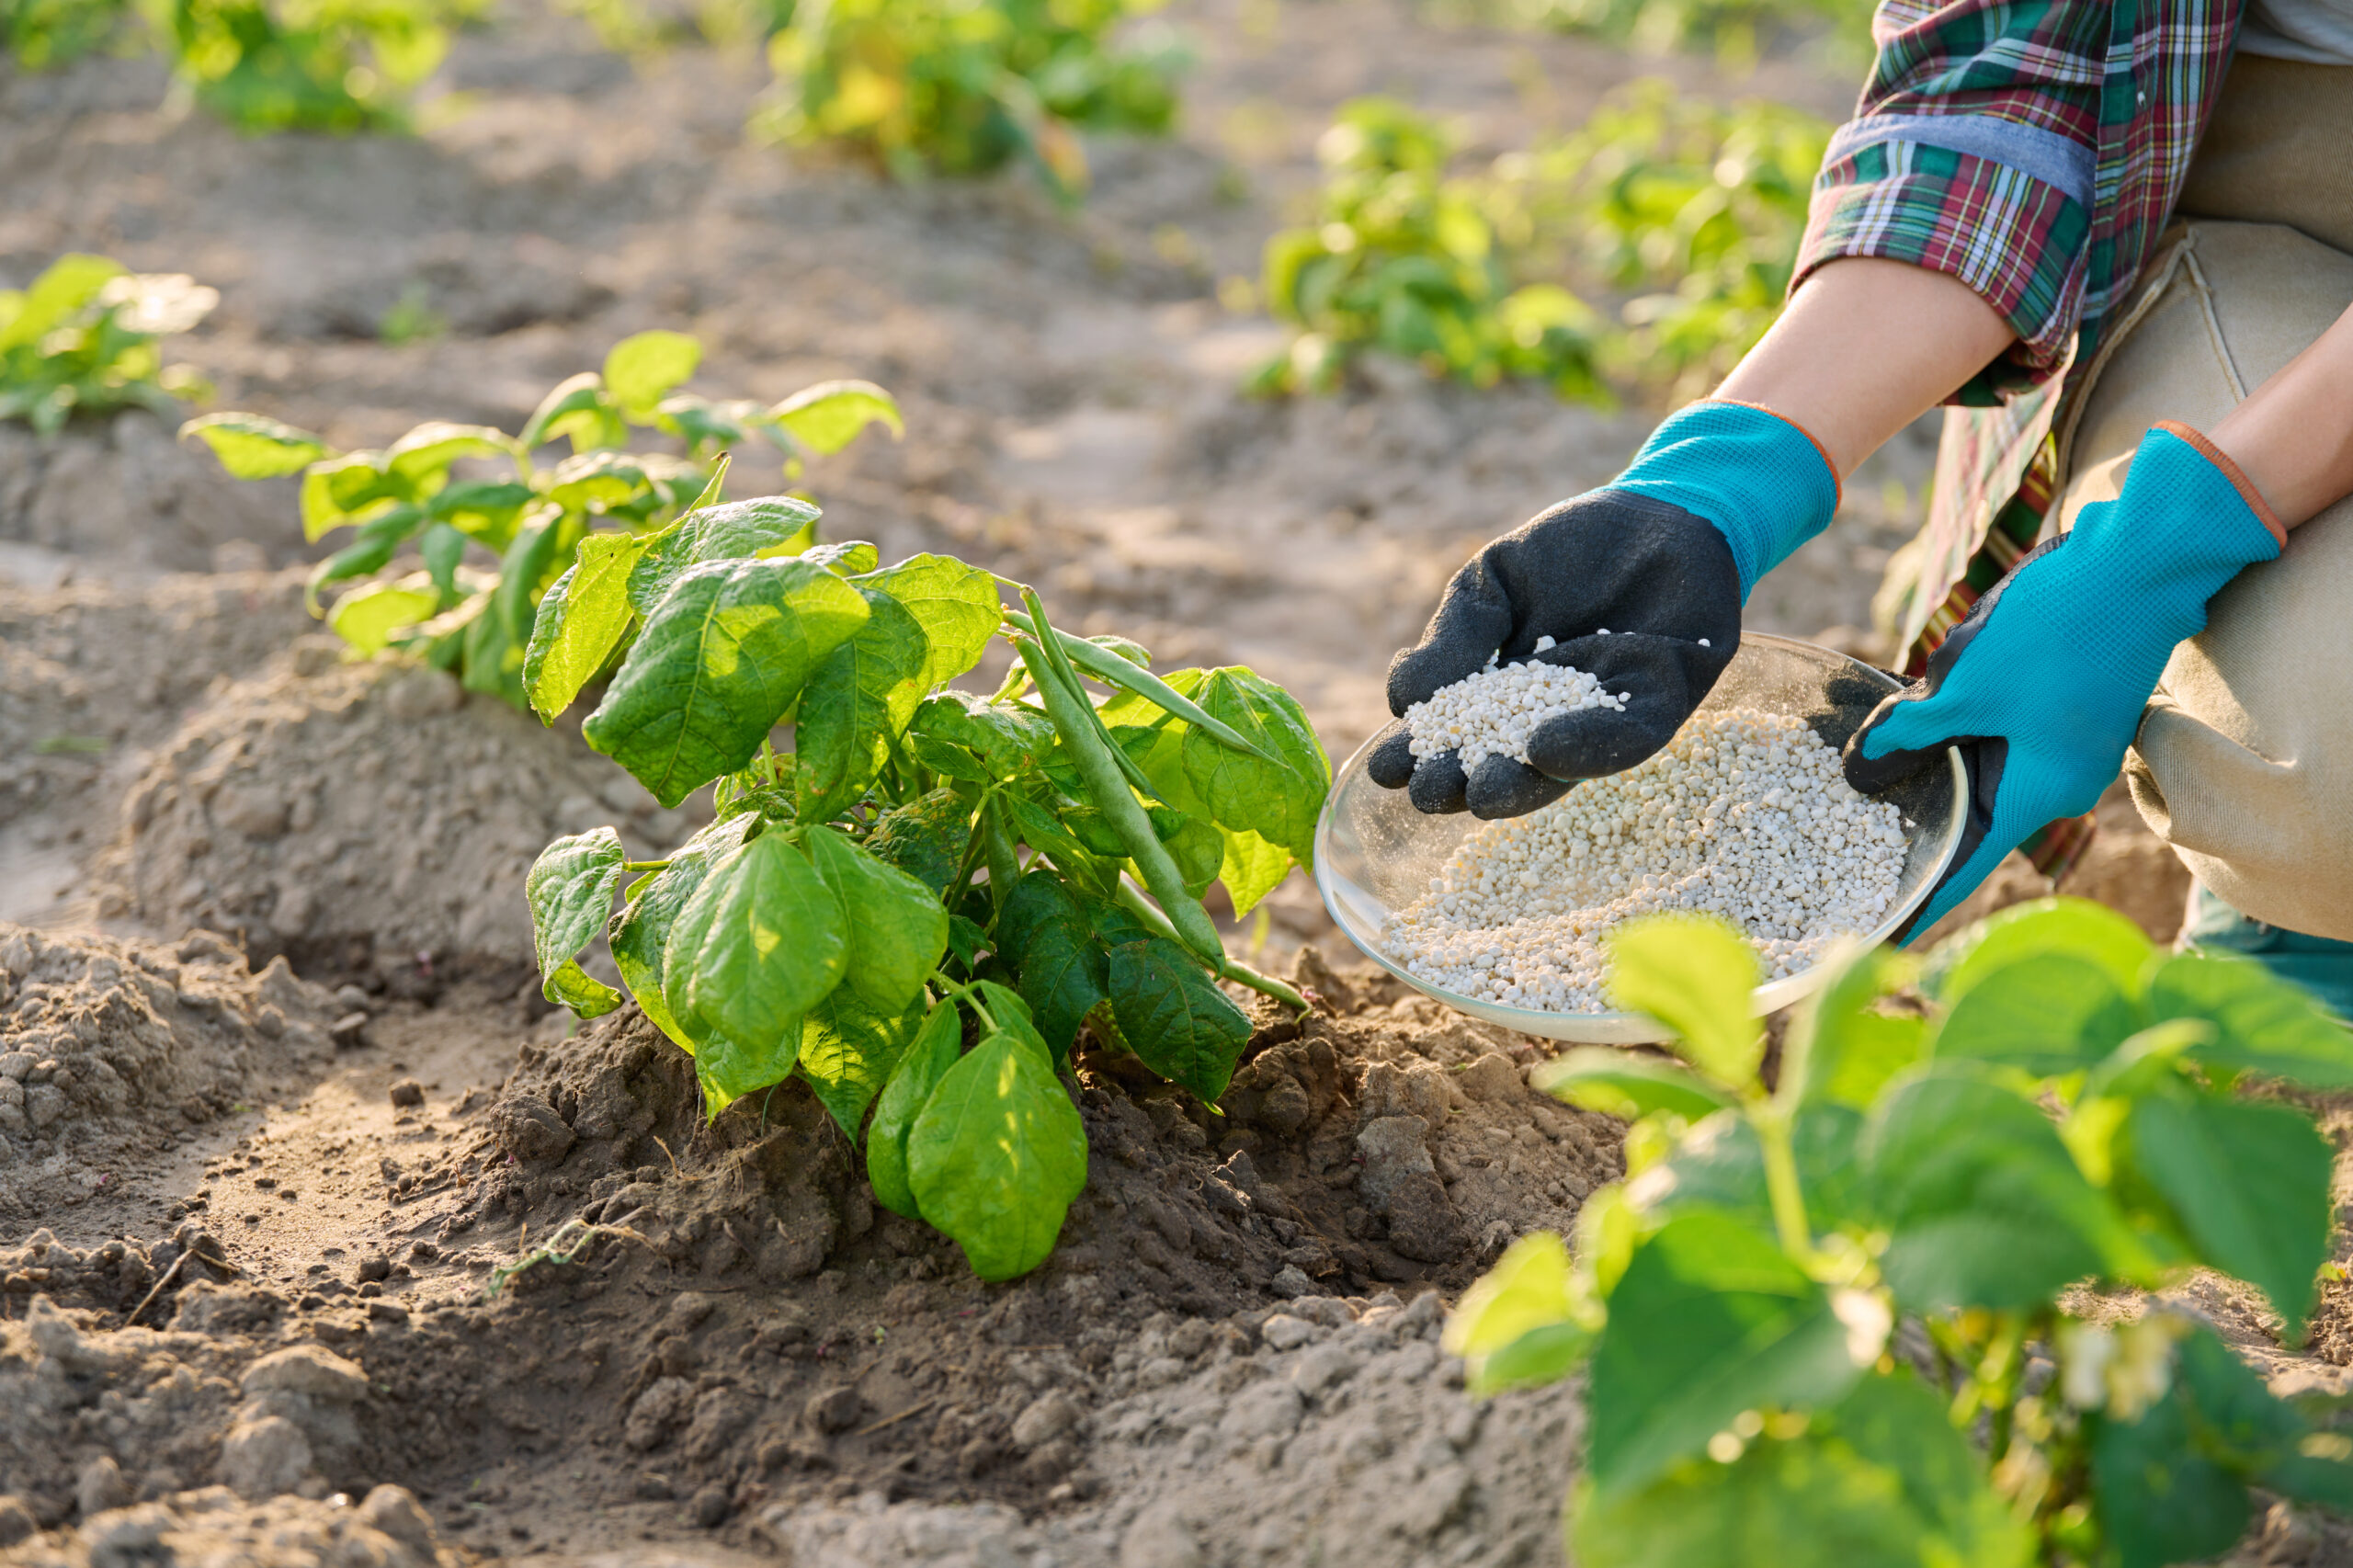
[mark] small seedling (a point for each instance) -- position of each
(85, 339)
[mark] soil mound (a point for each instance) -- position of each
(111, 1051)
(385, 1529)
(361, 815)
(127, 491)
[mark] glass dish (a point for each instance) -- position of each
(1374, 851)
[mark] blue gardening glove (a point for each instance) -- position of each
(2043, 685)
(1662, 559)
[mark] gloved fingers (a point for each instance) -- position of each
(1506, 787)
(1893, 764)
(1659, 682)
(1475, 618)
(2000, 819)
(1390, 765)
(1438, 784)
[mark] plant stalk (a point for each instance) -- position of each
(1233, 969)
(1771, 1124)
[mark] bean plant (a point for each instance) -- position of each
(967, 86)
(84, 338)
(1688, 213)
(1885, 1308)
(334, 65)
(917, 904)
(534, 519)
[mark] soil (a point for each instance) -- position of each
(293, 1111)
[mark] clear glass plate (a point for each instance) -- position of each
(1374, 851)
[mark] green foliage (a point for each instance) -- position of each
(332, 65)
(83, 339)
(592, 530)
(966, 87)
(1731, 29)
(921, 858)
(40, 34)
(1685, 211)
(2067, 1111)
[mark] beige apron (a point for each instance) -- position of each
(2244, 759)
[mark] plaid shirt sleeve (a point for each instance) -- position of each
(1975, 152)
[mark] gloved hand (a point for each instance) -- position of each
(1661, 559)
(2043, 685)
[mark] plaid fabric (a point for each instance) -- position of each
(2033, 149)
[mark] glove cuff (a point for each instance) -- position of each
(2247, 492)
(1765, 482)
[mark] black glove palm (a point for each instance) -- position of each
(1663, 583)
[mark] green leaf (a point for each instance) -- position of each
(64, 288)
(1849, 1052)
(2074, 926)
(641, 933)
(997, 1155)
(857, 701)
(2250, 1182)
(1708, 1320)
(641, 370)
(569, 888)
(367, 617)
(251, 445)
(755, 529)
(848, 1051)
(776, 943)
(1524, 1321)
(1278, 801)
(924, 838)
(1882, 1480)
(1192, 844)
(582, 618)
(444, 548)
(1986, 1206)
(2162, 1500)
(1719, 1164)
(1174, 1016)
(1619, 1083)
(956, 605)
(1046, 935)
(897, 927)
(847, 558)
(2262, 1024)
(828, 416)
(577, 407)
(1008, 737)
(728, 1069)
(720, 661)
(486, 510)
(422, 458)
(2047, 1015)
(1251, 867)
(919, 1072)
(1039, 830)
(578, 989)
(1694, 974)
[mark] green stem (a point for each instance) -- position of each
(1232, 969)
(631, 868)
(1112, 670)
(1771, 1123)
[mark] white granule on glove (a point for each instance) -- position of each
(1494, 710)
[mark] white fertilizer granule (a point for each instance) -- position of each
(1494, 709)
(1744, 815)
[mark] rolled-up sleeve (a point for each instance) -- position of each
(1974, 152)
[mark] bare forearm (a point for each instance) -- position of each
(1865, 348)
(2293, 436)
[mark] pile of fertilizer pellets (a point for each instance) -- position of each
(1496, 709)
(1744, 815)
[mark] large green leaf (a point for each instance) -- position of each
(1046, 935)
(1850, 1051)
(641, 933)
(579, 407)
(826, 417)
(1008, 737)
(729, 1068)
(1172, 1014)
(776, 943)
(251, 445)
(1694, 974)
(2161, 1499)
(924, 838)
(740, 531)
(956, 605)
(1709, 1319)
(1883, 1481)
(2075, 926)
(569, 888)
(1193, 844)
(1251, 867)
(1525, 1322)
(2250, 1182)
(997, 1154)
(1719, 1164)
(919, 1069)
(2262, 1023)
(856, 703)
(581, 620)
(575, 988)
(1278, 801)
(2047, 1013)
(848, 1051)
(1985, 1204)
(422, 458)
(897, 928)
(367, 617)
(720, 659)
(1620, 1083)
(641, 370)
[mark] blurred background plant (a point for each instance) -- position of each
(331, 65)
(1685, 212)
(86, 338)
(965, 87)
(1737, 32)
(40, 34)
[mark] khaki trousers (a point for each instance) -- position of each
(2244, 759)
